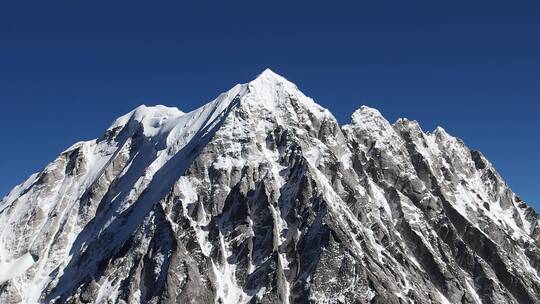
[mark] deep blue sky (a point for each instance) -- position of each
(68, 68)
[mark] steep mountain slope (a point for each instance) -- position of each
(260, 196)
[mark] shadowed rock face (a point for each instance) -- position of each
(261, 197)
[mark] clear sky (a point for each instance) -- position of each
(68, 68)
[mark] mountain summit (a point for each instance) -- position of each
(260, 196)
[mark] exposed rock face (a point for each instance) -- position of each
(261, 197)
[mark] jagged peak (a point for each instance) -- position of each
(408, 124)
(365, 113)
(442, 135)
(440, 129)
(405, 121)
(367, 110)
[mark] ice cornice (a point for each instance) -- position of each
(147, 114)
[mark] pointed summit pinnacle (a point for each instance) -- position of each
(269, 76)
(269, 79)
(267, 73)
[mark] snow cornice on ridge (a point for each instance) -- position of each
(145, 114)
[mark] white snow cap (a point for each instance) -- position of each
(269, 80)
(268, 90)
(270, 75)
(147, 115)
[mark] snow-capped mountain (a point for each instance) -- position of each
(260, 196)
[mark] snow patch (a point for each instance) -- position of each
(14, 268)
